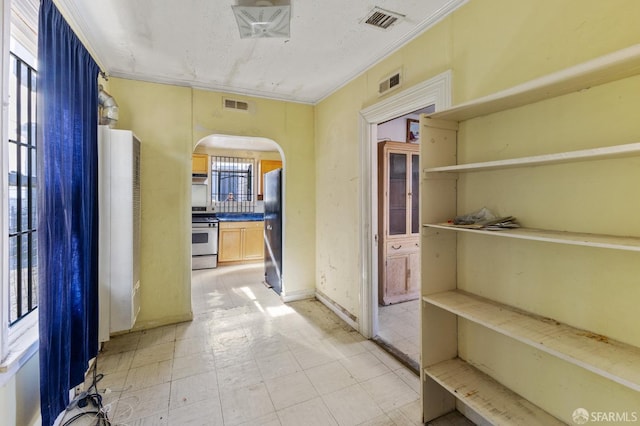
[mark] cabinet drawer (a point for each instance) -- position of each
(400, 247)
(240, 225)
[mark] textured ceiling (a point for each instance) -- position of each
(196, 43)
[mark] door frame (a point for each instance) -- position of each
(436, 90)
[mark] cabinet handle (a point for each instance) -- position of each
(396, 248)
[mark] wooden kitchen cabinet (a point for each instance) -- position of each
(253, 248)
(200, 163)
(265, 167)
(398, 230)
(241, 241)
(402, 266)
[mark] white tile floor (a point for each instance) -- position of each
(399, 326)
(249, 359)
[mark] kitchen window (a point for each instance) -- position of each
(232, 184)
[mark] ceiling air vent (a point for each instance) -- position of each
(382, 19)
(237, 105)
(390, 83)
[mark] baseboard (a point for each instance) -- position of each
(146, 325)
(292, 296)
(341, 312)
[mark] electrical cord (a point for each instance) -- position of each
(91, 395)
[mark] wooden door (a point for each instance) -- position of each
(254, 242)
(265, 167)
(413, 277)
(230, 244)
(395, 289)
(200, 163)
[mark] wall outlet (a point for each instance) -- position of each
(78, 390)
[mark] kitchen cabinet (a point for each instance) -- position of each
(241, 241)
(199, 164)
(514, 320)
(265, 167)
(398, 229)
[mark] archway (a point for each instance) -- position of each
(262, 155)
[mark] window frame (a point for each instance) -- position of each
(25, 234)
(246, 201)
(19, 342)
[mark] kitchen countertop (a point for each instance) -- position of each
(239, 217)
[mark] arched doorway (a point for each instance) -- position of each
(231, 188)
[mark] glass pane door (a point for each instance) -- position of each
(415, 193)
(397, 194)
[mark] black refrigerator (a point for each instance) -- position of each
(272, 197)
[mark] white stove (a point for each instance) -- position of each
(204, 241)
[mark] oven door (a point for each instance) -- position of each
(204, 241)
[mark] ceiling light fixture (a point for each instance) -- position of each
(263, 20)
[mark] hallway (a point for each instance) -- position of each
(247, 358)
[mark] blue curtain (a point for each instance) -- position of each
(67, 210)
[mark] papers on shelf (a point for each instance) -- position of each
(497, 224)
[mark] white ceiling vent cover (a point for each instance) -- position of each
(381, 18)
(390, 83)
(264, 20)
(235, 104)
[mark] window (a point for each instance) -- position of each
(232, 184)
(23, 237)
(18, 281)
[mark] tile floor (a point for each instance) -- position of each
(399, 326)
(249, 359)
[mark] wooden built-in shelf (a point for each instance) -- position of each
(487, 397)
(558, 237)
(442, 189)
(614, 360)
(602, 153)
(604, 69)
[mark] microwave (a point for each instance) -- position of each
(199, 197)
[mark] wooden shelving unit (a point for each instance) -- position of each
(558, 237)
(490, 399)
(450, 380)
(604, 153)
(614, 360)
(614, 66)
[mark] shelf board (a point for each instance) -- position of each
(604, 69)
(602, 153)
(559, 237)
(614, 360)
(487, 397)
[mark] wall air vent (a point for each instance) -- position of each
(235, 104)
(382, 19)
(390, 83)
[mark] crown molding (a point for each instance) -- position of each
(80, 27)
(212, 87)
(72, 15)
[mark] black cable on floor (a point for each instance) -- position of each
(92, 397)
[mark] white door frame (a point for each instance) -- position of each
(436, 90)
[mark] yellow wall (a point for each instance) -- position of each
(20, 395)
(170, 120)
(160, 115)
(489, 45)
(291, 126)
